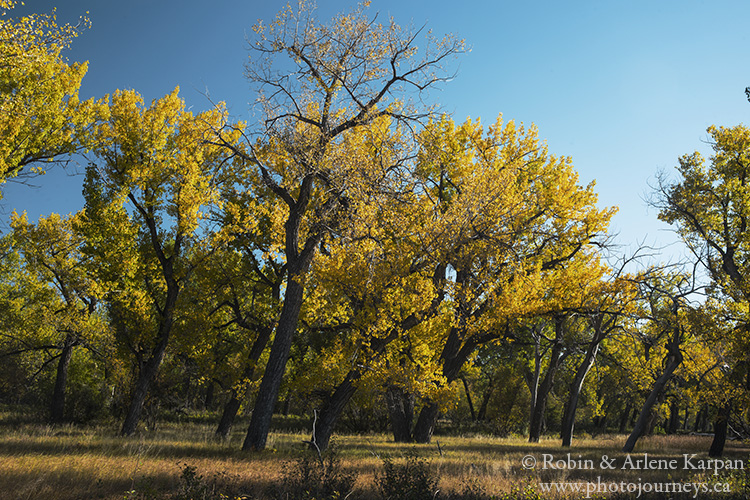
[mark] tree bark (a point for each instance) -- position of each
(624, 417)
(401, 410)
(556, 358)
(425, 425)
(675, 358)
(145, 377)
(260, 423)
(332, 410)
(486, 400)
(674, 417)
(468, 399)
(233, 405)
(569, 415)
(721, 424)
(147, 372)
(57, 410)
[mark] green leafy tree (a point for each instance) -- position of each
(145, 202)
(709, 207)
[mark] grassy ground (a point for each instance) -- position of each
(40, 462)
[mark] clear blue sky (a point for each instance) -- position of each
(623, 87)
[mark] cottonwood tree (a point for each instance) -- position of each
(52, 252)
(318, 83)
(665, 326)
(145, 201)
(510, 220)
(710, 209)
(41, 116)
(605, 307)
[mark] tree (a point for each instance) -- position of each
(318, 84)
(52, 250)
(666, 328)
(41, 117)
(513, 225)
(144, 205)
(606, 304)
(710, 209)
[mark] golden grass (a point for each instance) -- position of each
(39, 462)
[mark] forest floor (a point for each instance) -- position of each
(184, 460)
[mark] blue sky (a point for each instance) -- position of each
(622, 87)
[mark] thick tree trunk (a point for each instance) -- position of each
(401, 411)
(721, 424)
(334, 407)
(569, 415)
(455, 353)
(265, 401)
(145, 377)
(425, 425)
(675, 358)
(228, 414)
(57, 410)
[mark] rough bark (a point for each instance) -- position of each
(425, 426)
(674, 360)
(331, 411)
(233, 405)
(57, 409)
(401, 411)
(721, 425)
(569, 415)
(468, 399)
(260, 423)
(556, 358)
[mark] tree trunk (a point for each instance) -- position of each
(674, 417)
(675, 358)
(145, 377)
(425, 425)
(208, 401)
(556, 358)
(401, 410)
(624, 417)
(57, 410)
(569, 415)
(228, 415)
(468, 399)
(268, 393)
(332, 410)
(482, 415)
(233, 405)
(721, 424)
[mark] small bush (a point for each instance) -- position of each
(412, 480)
(313, 476)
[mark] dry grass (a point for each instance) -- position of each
(39, 462)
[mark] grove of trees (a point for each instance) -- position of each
(354, 257)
